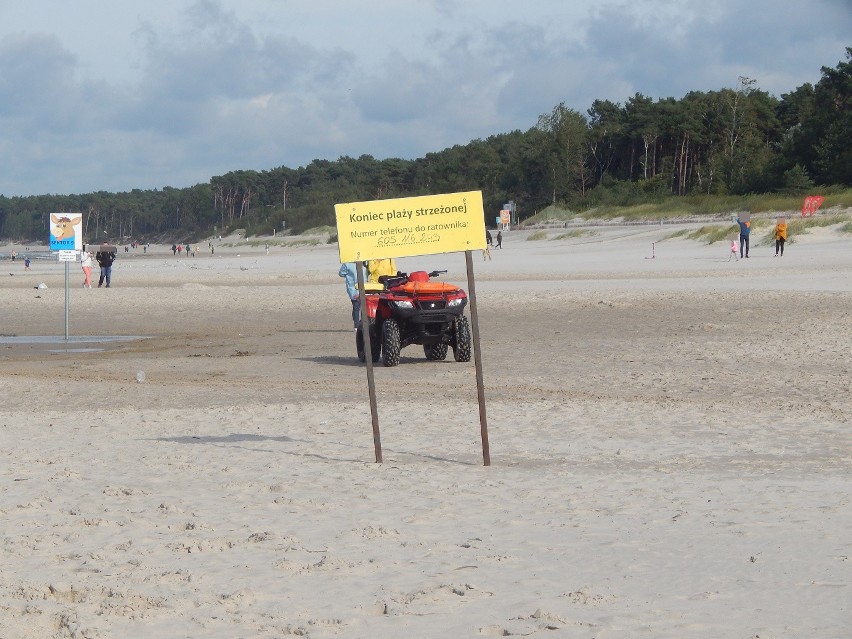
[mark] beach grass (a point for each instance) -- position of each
(695, 205)
(676, 234)
(575, 234)
(802, 226)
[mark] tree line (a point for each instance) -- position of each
(733, 141)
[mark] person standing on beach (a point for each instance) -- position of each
(745, 231)
(780, 236)
(489, 241)
(499, 239)
(349, 271)
(734, 249)
(87, 262)
(105, 257)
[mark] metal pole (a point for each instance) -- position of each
(66, 301)
(477, 359)
(368, 357)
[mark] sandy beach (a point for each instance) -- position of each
(670, 438)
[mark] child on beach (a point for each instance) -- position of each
(734, 249)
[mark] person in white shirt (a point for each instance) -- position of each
(86, 261)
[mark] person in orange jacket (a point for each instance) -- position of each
(780, 236)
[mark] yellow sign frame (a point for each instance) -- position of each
(403, 227)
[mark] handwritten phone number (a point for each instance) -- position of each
(408, 238)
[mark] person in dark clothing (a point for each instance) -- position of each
(745, 231)
(489, 241)
(499, 239)
(105, 257)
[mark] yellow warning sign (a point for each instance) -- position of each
(410, 226)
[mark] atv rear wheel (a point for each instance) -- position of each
(359, 344)
(436, 352)
(390, 342)
(375, 343)
(461, 342)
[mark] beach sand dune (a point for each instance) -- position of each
(670, 446)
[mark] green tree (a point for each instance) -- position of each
(796, 180)
(566, 132)
(831, 124)
(606, 137)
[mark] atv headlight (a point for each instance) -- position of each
(456, 302)
(403, 304)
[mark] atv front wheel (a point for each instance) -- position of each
(461, 343)
(390, 342)
(436, 352)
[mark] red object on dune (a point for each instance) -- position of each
(811, 204)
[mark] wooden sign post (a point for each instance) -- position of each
(406, 227)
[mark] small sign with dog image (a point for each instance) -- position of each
(66, 233)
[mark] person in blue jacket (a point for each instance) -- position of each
(745, 230)
(347, 270)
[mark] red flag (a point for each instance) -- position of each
(811, 204)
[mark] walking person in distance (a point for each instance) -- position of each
(745, 231)
(86, 262)
(105, 257)
(780, 236)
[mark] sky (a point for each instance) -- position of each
(99, 95)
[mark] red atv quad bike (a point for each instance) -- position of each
(410, 309)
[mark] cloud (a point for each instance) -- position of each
(689, 48)
(175, 91)
(37, 79)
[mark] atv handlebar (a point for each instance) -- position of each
(436, 273)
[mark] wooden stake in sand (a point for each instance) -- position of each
(371, 384)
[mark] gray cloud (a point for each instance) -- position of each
(37, 80)
(262, 84)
